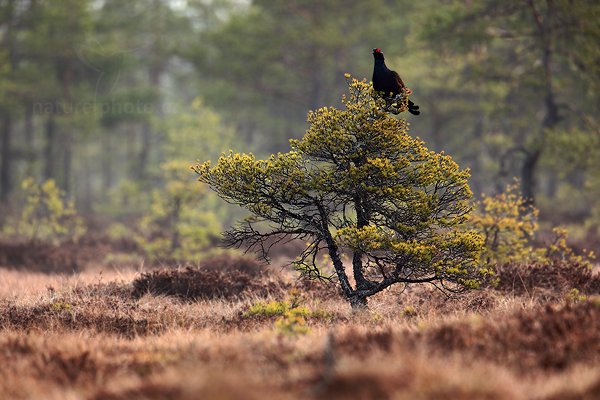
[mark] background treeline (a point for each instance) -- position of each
(114, 99)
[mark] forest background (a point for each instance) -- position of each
(113, 100)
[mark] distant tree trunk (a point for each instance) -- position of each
(67, 162)
(528, 181)
(532, 157)
(8, 43)
(551, 117)
(67, 78)
(50, 133)
(476, 160)
(6, 158)
(107, 161)
(174, 221)
(147, 132)
(83, 176)
(28, 132)
(144, 155)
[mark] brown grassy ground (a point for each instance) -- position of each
(186, 334)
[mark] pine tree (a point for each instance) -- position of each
(357, 184)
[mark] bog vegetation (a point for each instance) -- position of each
(357, 194)
(114, 281)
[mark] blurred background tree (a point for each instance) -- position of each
(98, 94)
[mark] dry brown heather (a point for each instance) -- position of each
(184, 333)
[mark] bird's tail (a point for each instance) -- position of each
(413, 108)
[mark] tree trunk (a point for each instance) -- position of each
(107, 162)
(528, 182)
(358, 303)
(9, 43)
(174, 222)
(67, 78)
(84, 175)
(528, 170)
(50, 134)
(67, 163)
(144, 155)
(28, 135)
(551, 117)
(362, 220)
(334, 253)
(6, 160)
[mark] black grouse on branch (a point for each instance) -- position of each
(389, 82)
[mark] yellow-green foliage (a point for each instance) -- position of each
(177, 227)
(60, 306)
(410, 312)
(575, 296)
(195, 130)
(358, 180)
(292, 315)
(128, 198)
(117, 231)
(183, 218)
(292, 323)
(274, 309)
(507, 226)
(560, 250)
(47, 215)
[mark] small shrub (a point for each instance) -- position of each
(127, 199)
(47, 215)
(410, 312)
(293, 322)
(177, 227)
(270, 309)
(274, 309)
(292, 314)
(575, 296)
(192, 283)
(507, 226)
(559, 250)
(118, 231)
(60, 306)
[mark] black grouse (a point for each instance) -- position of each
(389, 82)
